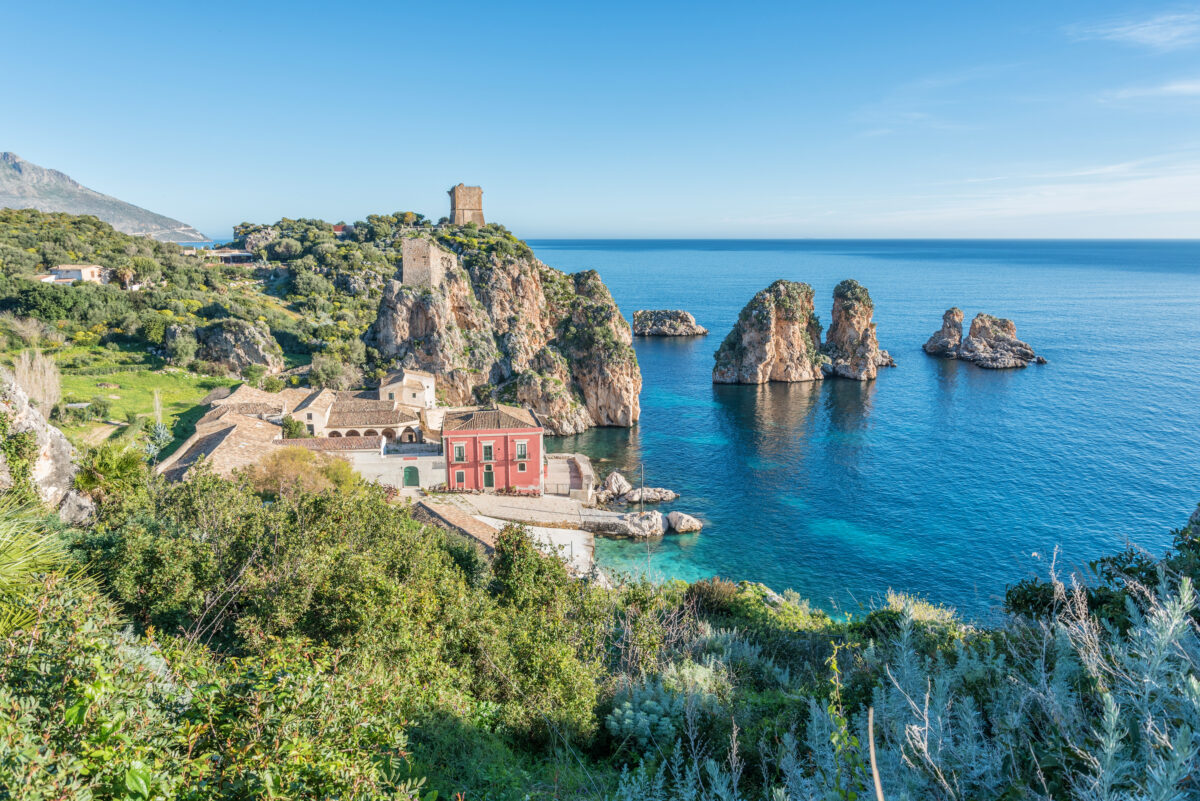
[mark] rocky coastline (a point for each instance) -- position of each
(508, 327)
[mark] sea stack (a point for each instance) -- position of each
(947, 339)
(850, 344)
(991, 343)
(776, 338)
(666, 323)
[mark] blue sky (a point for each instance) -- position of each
(867, 119)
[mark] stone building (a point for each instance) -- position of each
(423, 263)
(466, 205)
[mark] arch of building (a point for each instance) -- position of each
(352, 433)
(370, 432)
(389, 434)
(333, 434)
(410, 434)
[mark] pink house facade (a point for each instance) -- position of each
(492, 449)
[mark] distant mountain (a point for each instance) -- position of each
(27, 186)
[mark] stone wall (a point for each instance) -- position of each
(466, 205)
(425, 264)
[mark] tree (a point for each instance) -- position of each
(296, 470)
(27, 552)
(293, 428)
(182, 349)
(330, 372)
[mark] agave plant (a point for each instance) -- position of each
(28, 552)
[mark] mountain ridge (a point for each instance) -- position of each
(25, 185)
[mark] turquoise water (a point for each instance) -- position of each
(939, 478)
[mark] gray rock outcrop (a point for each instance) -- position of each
(52, 458)
(666, 323)
(646, 524)
(850, 343)
(616, 484)
(233, 344)
(776, 338)
(649, 495)
(683, 523)
(947, 340)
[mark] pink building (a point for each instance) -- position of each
(490, 448)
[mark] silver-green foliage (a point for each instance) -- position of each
(1065, 709)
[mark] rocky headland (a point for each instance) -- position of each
(666, 323)
(777, 337)
(991, 342)
(501, 324)
(850, 343)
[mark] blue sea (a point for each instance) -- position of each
(939, 478)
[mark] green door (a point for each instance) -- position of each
(489, 479)
(412, 478)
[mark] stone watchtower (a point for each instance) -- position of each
(466, 205)
(423, 263)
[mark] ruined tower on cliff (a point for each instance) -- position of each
(466, 205)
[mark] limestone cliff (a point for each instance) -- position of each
(46, 458)
(776, 338)
(947, 340)
(502, 324)
(850, 343)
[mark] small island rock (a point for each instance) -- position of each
(851, 345)
(993, 343)
(683, 523)
(776, 338)
(616, 484)
(666, 323)
(947, 339)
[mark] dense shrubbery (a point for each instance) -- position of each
(326, 644)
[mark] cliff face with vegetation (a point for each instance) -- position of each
(851, 344)
(777, 338)
(504, 325)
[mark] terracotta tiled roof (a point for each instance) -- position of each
(203, 447)
(334, 443)
(358, 418)
(490, 418)
(362, 405)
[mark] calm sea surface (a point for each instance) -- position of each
(939, 478)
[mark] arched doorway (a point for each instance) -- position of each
(370, 432)
(389, 434)
(408, 436)
(353, 433)
(333, 434)
(412, 477)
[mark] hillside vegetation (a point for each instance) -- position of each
(327, 645)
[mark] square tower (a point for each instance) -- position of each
(423, 263)
(466, 205)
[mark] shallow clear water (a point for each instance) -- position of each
(939, 478)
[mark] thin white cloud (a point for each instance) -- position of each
(1163, 32)
(1184, 88)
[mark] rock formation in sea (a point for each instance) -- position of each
(666, 323)
(850, 343)
(777, 337)
(946, 341)
(683, 523)
(498, 323)
(992, 342)
(48, 458)
(649, 495)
